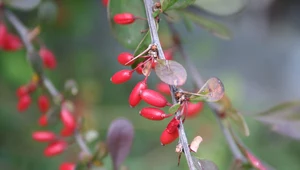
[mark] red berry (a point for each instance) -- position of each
(55, 148)
(139, 68)
(12, 43)
(43, 120)
(134, 97)
(153, 64)
(43, 103)
(68, 120)
(168, 54)
(173, 125)
(32, 87)
(124, 58)
(22, 91)
(121, 76)
(24, 103)
(124, 18)
(43, 136)
(105, 2)
(167, 137)
(67, 131)
(3, 33)
(48, 58)
(153, 98)
(153, 113)
(67, 166)
(193, 109)
(163, 88)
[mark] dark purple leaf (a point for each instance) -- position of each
(119, 140)
(203, 164)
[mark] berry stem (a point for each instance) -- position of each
(81, 142)
(155, 41)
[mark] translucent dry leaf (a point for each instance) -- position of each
(171, 72)
(147, 68)
(212, 91)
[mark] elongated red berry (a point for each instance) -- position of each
(173, 125)
(43, 136)
(121, 76)
(67, 166)
(24, 103)
(48, 58)
(163, 88)
(67, 131)
(139, 68)
(67, 119)
(55, 148)
(124, 18)
(105, 2)
(22, 91)
(32, 87)
(193, 109)
(153, 98)
(153, 113)
(43, 103)
(43, 120)
(124, 58)
(12, 43)
(167, 138)
(3, 32)
(134, 97)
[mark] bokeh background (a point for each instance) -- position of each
(259, 68)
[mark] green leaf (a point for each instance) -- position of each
(221, 7)
(23, 4)
(283, 119)
(143, 45)
(239, 121)
(166, 4)
(215, 28)
(203, 164)
(182, 4)
(174, 108)
(128, 35)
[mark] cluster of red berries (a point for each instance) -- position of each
(11, 42)
(152, 97)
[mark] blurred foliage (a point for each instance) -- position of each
(81, 38)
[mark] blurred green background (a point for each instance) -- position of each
(257, 68)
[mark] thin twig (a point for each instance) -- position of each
(81, 142)
(197, 78)
(155, 40)
(23, 32)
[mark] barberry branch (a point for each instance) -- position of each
(35, 61)
(155, 40)
(197, 78)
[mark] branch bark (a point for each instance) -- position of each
(155, 40)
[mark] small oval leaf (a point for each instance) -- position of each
(119, 140)
(170, 72)
(174, 108)
(212, 91)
